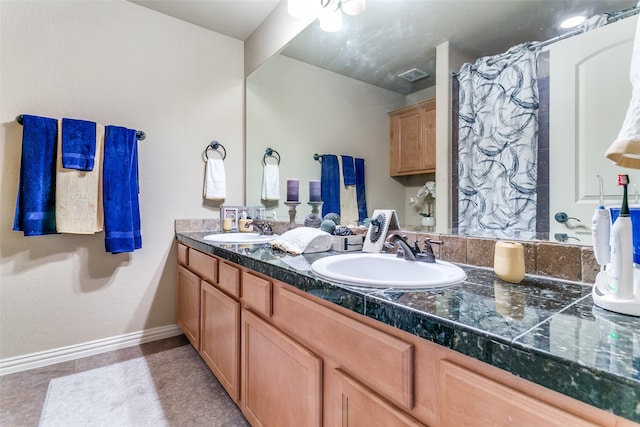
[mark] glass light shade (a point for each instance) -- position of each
(331, 20)
(354, 7)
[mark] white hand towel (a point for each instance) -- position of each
(215, 180)
(271, 182)
(625, 150)
(303, 240)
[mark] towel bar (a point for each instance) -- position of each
(140, 135)
(270, 152)
(214, 145)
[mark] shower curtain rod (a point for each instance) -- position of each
(140, 135)
(613, 17)
(610, 19)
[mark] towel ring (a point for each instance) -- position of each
(215, 145)
(269, 152)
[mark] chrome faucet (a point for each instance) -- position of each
(412, 254)
(404, 250)
(262, 228)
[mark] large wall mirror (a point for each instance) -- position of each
(331, 93)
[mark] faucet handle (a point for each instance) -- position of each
(427, 254)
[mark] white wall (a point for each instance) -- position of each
(115, 63)
(298, 110)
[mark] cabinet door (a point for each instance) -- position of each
(220, 337)
(413, 140)
(282, 381)
(188, 310)
(361, 407)
(470, 399)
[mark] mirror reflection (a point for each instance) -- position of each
(329, 93)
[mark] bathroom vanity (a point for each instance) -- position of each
(291, 349)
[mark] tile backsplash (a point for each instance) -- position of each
(561, 261)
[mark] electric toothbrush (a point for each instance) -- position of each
(600, 227)
(620, 269)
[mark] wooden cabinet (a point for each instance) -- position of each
(359, 406)
(282, 381)
(288, 358)
(188, 310)
(220, 337)
(413, 139)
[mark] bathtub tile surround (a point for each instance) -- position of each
(545, 330)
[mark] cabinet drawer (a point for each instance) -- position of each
(229, 279)
(183, 254)
(203, 265)
(508, 407)
(256, 293)
(388, 362)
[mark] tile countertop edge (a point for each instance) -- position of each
(617, 394)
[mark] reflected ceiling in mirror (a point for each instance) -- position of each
(394, 36)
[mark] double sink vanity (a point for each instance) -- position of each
(294, 349)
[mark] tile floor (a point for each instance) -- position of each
(22, 395)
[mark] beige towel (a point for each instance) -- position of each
(79, 193)
(348, 200)
(303, 240)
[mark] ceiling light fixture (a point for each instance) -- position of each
(574, 21)
(329, 11)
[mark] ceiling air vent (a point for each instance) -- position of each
(413, 75)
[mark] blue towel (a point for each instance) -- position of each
(348, 171)
(330, 184)
(360, 190)
(35, 213)
(78, 144)
(120, 190)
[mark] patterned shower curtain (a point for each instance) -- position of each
(497, 148)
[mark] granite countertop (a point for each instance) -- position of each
(547, 331)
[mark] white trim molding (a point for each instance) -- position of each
(63, 354)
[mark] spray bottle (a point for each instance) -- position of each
(621, 267)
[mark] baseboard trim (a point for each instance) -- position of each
(63, 354)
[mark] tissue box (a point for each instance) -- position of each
(347, 243)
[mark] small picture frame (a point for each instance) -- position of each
(229, 212)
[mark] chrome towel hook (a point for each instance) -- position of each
(215, 146)
(270, 152)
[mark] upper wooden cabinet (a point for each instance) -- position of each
(413, 139)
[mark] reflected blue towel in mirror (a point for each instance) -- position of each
(360, 190)
(120, 190)
(35, 204)
(78, 144)
(330, 184)
(348, 171)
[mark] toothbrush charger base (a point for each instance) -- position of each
(609, 302)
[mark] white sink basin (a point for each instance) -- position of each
(239, 238)
(386, 271)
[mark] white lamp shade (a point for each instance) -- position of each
(331, 20)
(353, 7)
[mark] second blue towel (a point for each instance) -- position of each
(120, 188)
